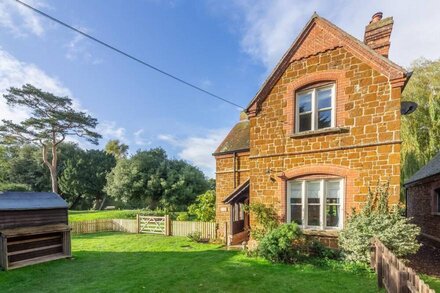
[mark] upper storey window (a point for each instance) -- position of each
(315, 108)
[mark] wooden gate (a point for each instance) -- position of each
(153, 225)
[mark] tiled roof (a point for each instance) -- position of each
(236, 140)
(430, 169)
(10, 200)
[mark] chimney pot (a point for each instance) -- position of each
(376, 17)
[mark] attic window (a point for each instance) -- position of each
(315, 108)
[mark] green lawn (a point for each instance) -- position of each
(117, 262)
(77, 216)
(433, 282)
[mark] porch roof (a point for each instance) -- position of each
(239, 193)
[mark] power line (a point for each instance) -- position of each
(128, 55)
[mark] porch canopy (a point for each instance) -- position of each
(240, 194)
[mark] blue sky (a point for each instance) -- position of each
(227, 47)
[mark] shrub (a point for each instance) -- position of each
(14, 187)
(376, 220)
(266, 218)
(182, 217)
(197, 237)
(317, 249)
(204, 207)
(284, 244)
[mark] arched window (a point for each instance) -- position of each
(316, 203)
(315, 107)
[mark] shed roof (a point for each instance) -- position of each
(430, 169)
(15, 200)
(236, 140)
(242, 191)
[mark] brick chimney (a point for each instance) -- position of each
(378, 33)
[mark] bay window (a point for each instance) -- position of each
(315, 203)
(315, 108)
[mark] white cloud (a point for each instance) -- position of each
(269, 27)
(198, 149)
(139, 140)
(110, 130)
(78, 48)
(19, 20)
(16, 73)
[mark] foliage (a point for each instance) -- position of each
(154, 263)
(204, 207)
(319, 250)
(53, 118)
(284, 244)
(78, 216)
(183, 217)
(149, 179)
(376, 220)
(421, 129)
(84, 178)
(117, 149)
(13, 187)
(266, 218)
(197, 237)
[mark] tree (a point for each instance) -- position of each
(421, 129)
(52, 119)
(116, 148)
(150, 179)
(84, 178)
(204, 207)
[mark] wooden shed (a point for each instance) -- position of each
(33, 228)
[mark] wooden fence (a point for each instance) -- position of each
(392, 274)
(208, 230)
(146, 224)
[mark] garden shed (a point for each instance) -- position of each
(33, 228)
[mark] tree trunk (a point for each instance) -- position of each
(75, 202)
(101, 206)
(52, 166)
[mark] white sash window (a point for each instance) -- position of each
(316, 204)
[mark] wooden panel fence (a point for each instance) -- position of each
(392, 274)
(147, 224)
(208, 230)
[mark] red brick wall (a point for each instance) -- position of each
(420, 206)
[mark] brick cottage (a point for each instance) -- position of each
(323, 126)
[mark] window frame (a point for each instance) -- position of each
(437, 201)
(322, 203)
(314, 106)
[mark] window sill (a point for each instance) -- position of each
(436, 214)
(319, 132)
(329, 232)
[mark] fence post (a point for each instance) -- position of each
(402, 281)
(138, 226)
(379, 264)
(167, 225)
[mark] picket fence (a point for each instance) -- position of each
(392, 274)
(146, 224)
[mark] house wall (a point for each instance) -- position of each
(365, 151)
(420, 200)
(225, 185)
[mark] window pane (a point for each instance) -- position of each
(305, 122)
(295, 189)
(333, 192)
(313, 188)
(313, 215)
(305, 102)
(324, 119)
(324, 98)
(332, 215)
(295, 214)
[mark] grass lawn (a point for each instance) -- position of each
(433, 282)
(77, 216)
(117, 262)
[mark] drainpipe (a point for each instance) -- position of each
(235, 169)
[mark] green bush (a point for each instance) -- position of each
(284, 244)
(14, 187)
(182, 217)
(266, 218)
(204, 207)
(197, 237)
(319, 250)
(376, 220)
